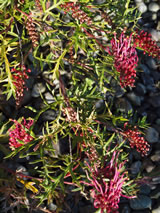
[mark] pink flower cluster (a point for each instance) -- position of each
(18, 135)
(19, 75)
(76, 12)
(144, 41)
(136, 140)
(125, 59)
(107, 183)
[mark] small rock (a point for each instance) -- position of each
(123, 105)
(140, 89)
(135, 167)
(97, 18)
(155, 193)
(151, 63)
(148, 165)
(145, 68)
(49, 98)
(49, 115)
(100, 104)
(155, 35)
(141, 202)
(38, 89)
(152, 135)
(141, 7)
(157, 121)
(154, 16)
(52, 207)
(156, 156)
(155, 101)
(99, 1)
(135, 99)
(157, 210)
(138, 1)
(124, 208)
(145, 189)
(153, 7)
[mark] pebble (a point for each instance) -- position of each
(49, 98)
(156, 156)
(157, 210)
(141, 7)
(155, 101)
(152, 135)
(135, 99)
(124, 105)
(140, 203)
(38, 89)
(151, 63)
(140, 89)
(155, 35)
(148, 165)
(145, 189)
(135, 167)
(52, 207)
(49, 115)
(153, 7)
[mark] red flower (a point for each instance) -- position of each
(76, 12)
(144, 41)
(107, 184)
(19, 75)
(19, 136)
(125, 59)
(136, 140)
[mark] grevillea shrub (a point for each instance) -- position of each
(77, 143)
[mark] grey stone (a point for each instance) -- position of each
(152, 135)
(155, 101)
(49, 98)
(97, 18)
(153, 7)
(151, 63)
(49, 115)
(138, 1)
(125, 209)
(158, 121)
(156, 156)
(99, 1)
(145, 68)
(154, 16)
(135, 167)
(141, 7)
(157, 210)
(38, 89)
(52, 207)
(135, 99)
(124, 105)
(148, 165)
(141, 202)
(140, 89)
(145, 189)
(155, 35)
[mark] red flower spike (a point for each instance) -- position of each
(19, 75)
(107, 184)
(136, 140)
(19, 134)
(125, 59)
(144, 41)
(76, 12)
